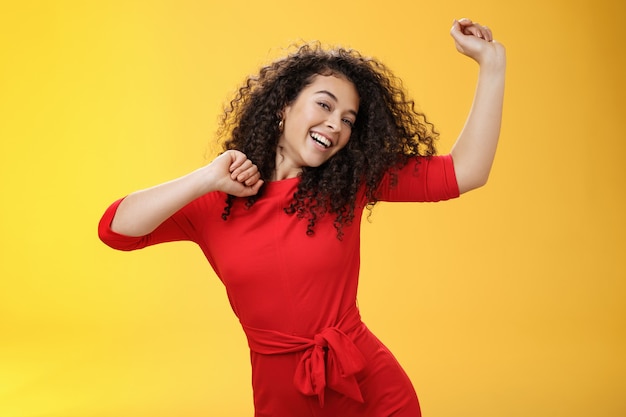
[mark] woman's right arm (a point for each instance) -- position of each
(143, 211)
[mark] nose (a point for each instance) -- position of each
(334, 122)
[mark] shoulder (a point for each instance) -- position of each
(420, 178)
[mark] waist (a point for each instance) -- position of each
(271, 342)
(330, 357)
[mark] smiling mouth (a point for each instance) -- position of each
(321, 140)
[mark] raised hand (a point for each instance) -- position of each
(476, 41)
(475, 148)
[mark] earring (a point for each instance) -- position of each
(281, 125)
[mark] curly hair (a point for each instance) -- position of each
(388, 130)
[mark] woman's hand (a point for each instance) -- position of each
(476, 41)
(233, 173)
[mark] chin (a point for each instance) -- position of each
(317, 164)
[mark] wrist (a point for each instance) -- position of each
(494, 61)
(203, 181)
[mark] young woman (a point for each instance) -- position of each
(309, 143)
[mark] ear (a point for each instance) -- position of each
(280, 116)
(283, 113)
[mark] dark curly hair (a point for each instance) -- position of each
(388, 130)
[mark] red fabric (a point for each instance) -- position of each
(330, 353)
(299, 288)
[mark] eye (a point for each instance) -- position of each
(323, 105)
(349, 123)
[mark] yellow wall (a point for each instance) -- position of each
(508, 302)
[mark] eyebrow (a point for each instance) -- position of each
(334, 97)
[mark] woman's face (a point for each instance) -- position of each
(317, 124)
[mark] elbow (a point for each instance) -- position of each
(472, 182)
(121, 243)
(116, 240)
(471, 174)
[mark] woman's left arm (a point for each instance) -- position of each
(475, 148)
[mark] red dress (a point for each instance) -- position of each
(295, 295)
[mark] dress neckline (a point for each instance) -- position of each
(281, 185)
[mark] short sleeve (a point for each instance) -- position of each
(421, 179)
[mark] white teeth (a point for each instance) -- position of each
(321, 140)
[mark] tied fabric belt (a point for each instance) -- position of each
(330, 357)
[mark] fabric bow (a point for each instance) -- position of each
(329, 359)
(332, 361)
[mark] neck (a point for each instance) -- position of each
(283, 174)
(283, 169)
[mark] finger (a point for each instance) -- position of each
(460, 25)
(236, 159)
(252, 180)
(242, 167)
(248, 173)
(480, 33)
(464, 21)
(249, 191)
(257, 186)
(473, 30)
(456, 31)
(484, 32)
(489, 35)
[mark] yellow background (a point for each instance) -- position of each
(510, 301)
